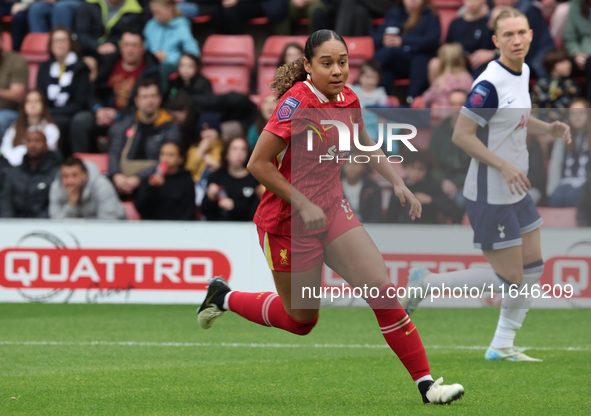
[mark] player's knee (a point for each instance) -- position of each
(510, 278)
(301, 328)
(533, 272)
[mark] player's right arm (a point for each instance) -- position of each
(464, 136)
(261, 166)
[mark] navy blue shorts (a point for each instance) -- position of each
(501, 226)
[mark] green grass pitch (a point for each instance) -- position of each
(154, 360)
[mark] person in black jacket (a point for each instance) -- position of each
(98, 34)
(25, 189)
(111, 99)
(135, 141)
(229, 106)
(362, 192)
(169, 194)
(406, 42)
(64, 81)
(418, 166)
(584, 206)
(233, 194)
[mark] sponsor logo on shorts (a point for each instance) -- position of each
(348, 210)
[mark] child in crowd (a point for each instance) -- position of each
(205, 155)
(453, 75)
(556, 91)
(370, 95)
(570, 164)
(362, 192)
(190, 79)
(33, 114)
(168, 194)
(168, 34)
(233, 194)
(266, 109)
(418, 167)
(181, 108)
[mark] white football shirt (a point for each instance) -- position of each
(499, 102)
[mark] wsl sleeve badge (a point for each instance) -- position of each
(287, 109)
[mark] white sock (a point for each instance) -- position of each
(460, 278)
(226, 305)
(514, 309)
(424, 378)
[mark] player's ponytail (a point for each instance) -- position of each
(287, 75)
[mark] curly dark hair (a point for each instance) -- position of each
(287, 75)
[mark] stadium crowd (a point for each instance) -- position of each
(124, 83)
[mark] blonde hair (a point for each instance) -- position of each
(506, 13)
(451, 61)
(168, 3)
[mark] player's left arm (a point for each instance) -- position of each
(379, 162)
(556, 129)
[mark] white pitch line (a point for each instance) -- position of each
(263, 345)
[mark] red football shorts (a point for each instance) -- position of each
(286, 253)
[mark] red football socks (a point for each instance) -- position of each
(266, 308)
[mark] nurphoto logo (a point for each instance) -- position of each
(341, 153)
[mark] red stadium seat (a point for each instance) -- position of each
(273, 47)
(361, 49)
(446, 16)
(101, 160)
(226, 78)
(228, 50)
(130, 211)
(259, 21)
(269, 59)
(201, 19)
(34, 51)
(559, 217)
(6, 41)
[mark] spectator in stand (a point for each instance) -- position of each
(318, 13)
(205, 154)
(266, 109)
(112, 100)
(233, 194)
(14, 76)
(555, 12)
(570, 164)
(452, 162)
(232, 16)
(577, 39)
(25, 191)
(229, 106)
(542, 41)
(418, 166)
(472, 32)
(100, 24)
(34, 113)
(291, 53)
(168, 35)
(20, 25)
(362, 192)
(64, 81)
(406, 42)
(136, 140)
(584, 206)
(354, 16)
(44, 15)
(181, 108)
(168, 194)
(453, 75)
(554, 94)
(81, 191)
(371, 95)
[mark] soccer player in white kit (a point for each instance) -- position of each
(492, 128)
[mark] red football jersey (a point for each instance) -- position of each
(300, 110)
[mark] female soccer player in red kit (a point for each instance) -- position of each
(322, 227)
